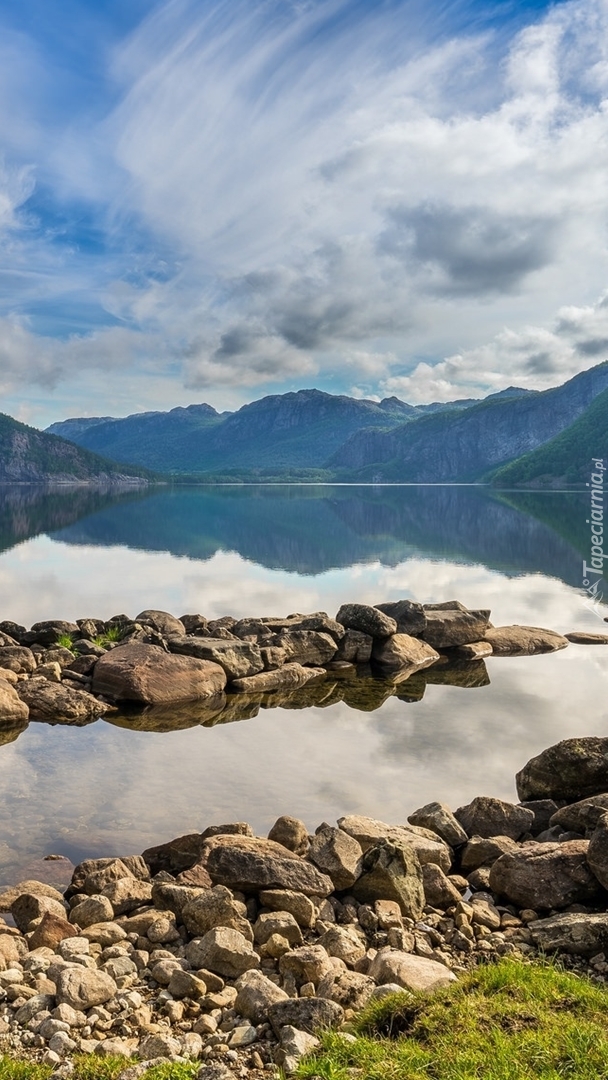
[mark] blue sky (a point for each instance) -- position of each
(220, 199)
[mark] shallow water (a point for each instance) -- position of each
(112, 787)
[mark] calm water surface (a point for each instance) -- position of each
(113, 788)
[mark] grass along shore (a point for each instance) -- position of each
(510, 1020)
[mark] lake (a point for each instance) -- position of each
(115, 788)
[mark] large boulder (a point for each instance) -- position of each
(291, 833)
(484, 851)
(487, 817)
(255, 995)
(166, 624)
(338, 855)
(150, 676)
(18, 659)
(577, 933)
(55, 703)
(82, 988)
(427, 845)
(545, 876)
(580, 816)
(438, 818)
(223, 951)
(50, 632)
(307, 646)
(239, 659)
(568, 771)
(214, 907)
(410, 972)
(523, 640)
(409, 616)
(176, 855)
(250, 864)
(392, 872)
(451, 624)
(366, 619)
(355, 647)
(401, 652)
(13, 710)
(289, 676)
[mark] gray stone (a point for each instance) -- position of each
(367, 620)
(305, 1014)
(488, 817)
(127, 894)
(409, 616)
(569, 771)
(484, 851)
(159, 1046)
(409, 971)
(239, 659)
(34, 1005)
(291, 833)
(450, 624)
(223, 951)
(438, 889)
(56, 703)
(310, 963)
(184, 984)
(215, 907)
(543, 810)
(581, 816)
(544, 876)
(307, 646)
(166, 624)
(277, 922)
(297, 904)
(83, 988)
(355, 647)
(439, 819)
(95, 909)
(351, 989)
(250, 864)
(523, 640)
(18, 659)
(345, 943)
(146, 674)
(256, 994)
(427, 845)
(29, 906)
(338, 855)
(577, 934)
(392, 872)
(290, 676)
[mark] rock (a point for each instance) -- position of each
(163, 971)
(29, 906)
(428, 847)
(238, 659)
(392, 872)
(223, 951)
(36, 1004)
(166, 624)
(403, 653)
(439, 819)
(289, 676)
(183, 984)
(50, 672)
(250, 864)
(487, 817)
(409, 616)
(338, 855)
(277, 922)
(523, 640)
(95, 909)
(543, 810)
(18, 659)
(482, 851)
(438, 889)
(8, 676)
(12, 709)
(291, 833)
(580, 816)
(176, 855)
(569, 771)
(577, 934)
(350, 989)
(345, 943)
(50, 931)
(214, 1072)
(159, 1046)
(173, 898)
(119, 966)
(55, 703)
(305, 1014)
(475, 650)
(294, 1046)
(127, 894)
(105, 934)
(597, 852)
(114, 1048)
(214, 907)
(50, 632)
(297, 904)
(82, 988)
(543, 876)
(256, 994)
(146, 674)
(450, 624)
(367, 620)
(585, 637)
(308, 964)
(355, 647)
(307, 646)
(97, 880)
(134, 864)
(409, 971)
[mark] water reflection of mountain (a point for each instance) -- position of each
(313, 529)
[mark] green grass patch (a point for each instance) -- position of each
(65, 641)
(90, 1067)
(505, 1021)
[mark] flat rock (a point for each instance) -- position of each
(451, 624)
(146, 674)
(82, 988)
(250, 864)
(401, 652)
(427, 845)
(55, 703)
(367, 620)
(569, 771)
(409, 971)
(523, 640)
(13, 710)
(438, 818)
(577, 934)
(239, 659)
(392, 872)
(475, 650)
(585, 637)
(545, 876)
(305, 1014)
(338, 855)
(290, 675)
(486, 817)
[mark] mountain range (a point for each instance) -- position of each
(515, 438)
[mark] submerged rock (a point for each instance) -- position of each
(523, 640)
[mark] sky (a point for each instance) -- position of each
(214, 200)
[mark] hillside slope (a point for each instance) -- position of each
(565, 459)
(30, 456)
(464, 444)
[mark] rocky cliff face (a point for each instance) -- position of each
(463, 444)
(30, 456)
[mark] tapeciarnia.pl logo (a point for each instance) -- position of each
(593, 572)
